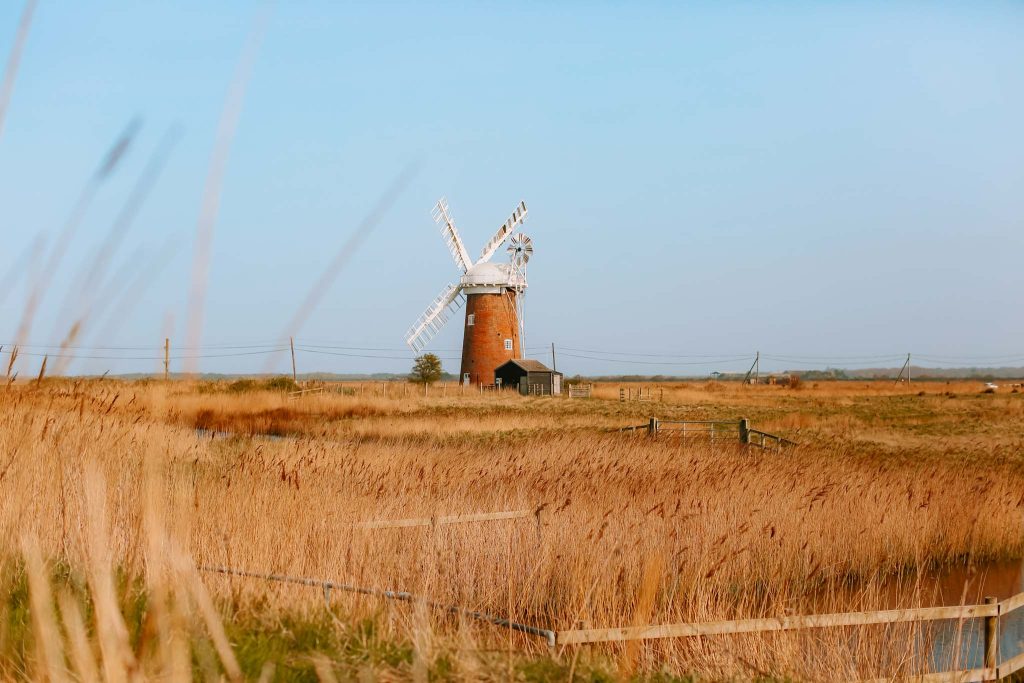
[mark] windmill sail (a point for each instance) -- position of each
(517, 217)
(451, 235)
(434, 318)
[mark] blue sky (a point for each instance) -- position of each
(833, 183)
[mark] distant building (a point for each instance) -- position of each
(492, 292)
(530, 376)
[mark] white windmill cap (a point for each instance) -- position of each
(486, 274)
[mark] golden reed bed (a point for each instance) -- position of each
(111, 497)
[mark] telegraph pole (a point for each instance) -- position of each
(167, 357)
(291, 342)
(906, 367)
(755, 369)
(554, 366)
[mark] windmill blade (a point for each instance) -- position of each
(434, 318)
(451, 235)
(517, 217)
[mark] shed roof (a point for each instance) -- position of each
(528, 365)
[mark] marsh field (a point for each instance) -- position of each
(117, 497)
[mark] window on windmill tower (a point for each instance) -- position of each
(470, 319)
(508, 344)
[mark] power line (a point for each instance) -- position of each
(366, 348)
(182, 357)
(645, 355)
(977, 358)
(830, 361)
(362, 355)
(253, 348)
(838, 358)
(716, 361)
(226, 347)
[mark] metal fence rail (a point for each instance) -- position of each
(446, 519)
(402, 596)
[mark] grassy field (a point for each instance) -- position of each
(115, 492)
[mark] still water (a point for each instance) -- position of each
(952, 644)
(1001, 580)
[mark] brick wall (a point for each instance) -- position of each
(483, 344)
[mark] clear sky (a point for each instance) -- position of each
(832, 183)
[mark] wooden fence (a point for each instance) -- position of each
(535, 389)
(580, 390)
(991, 611)
(755, 437)
(389, 389)
(293, 395)
(993, 666)
(713, 430)
(639, 394)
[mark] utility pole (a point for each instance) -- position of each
(167, 357)
(906, 367)
(291, 342)
(755, 369)
(554, 366)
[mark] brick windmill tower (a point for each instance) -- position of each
(493, 294)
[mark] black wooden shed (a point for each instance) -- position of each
(530, 376)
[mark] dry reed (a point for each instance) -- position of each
(108, 474)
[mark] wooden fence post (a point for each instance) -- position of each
(744, 430)
(652, 426)
(992, 636)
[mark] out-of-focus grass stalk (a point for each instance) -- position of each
(44, 621)
(14, 60)
(226, 128)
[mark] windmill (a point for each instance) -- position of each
(493, 295)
